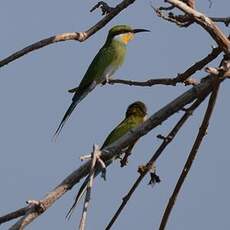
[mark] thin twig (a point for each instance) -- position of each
(225, 20)
(95, 154)
(75, 36)
(166, 141)
(192, 155)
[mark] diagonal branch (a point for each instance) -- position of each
(205, 87)
(192, 155)
(165, 143)
(75, 36)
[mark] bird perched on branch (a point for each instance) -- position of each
(136, 114)
(109, 58)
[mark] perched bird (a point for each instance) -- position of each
(135, 115)
(109, 58)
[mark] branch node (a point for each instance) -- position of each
(37, 205)
(143, 169)
(191, 81)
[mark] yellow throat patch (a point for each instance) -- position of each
(127, 37)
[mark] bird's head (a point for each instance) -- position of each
(123, 33)
(137, 108)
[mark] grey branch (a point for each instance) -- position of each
(226, 20)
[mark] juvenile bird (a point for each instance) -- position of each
(135, 115)
(109, 58)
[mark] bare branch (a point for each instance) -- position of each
(111, 151)
(192, 155)
(150, 82)
(75, 36)
(165, 143)
(206, 23)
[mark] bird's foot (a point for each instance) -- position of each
(124, 161)
(154, 178)
(73, 90)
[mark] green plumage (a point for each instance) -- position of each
(109, 58)
(135, 115)
(126, 125)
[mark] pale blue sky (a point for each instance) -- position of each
(34, 97)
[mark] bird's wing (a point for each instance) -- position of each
(126, 125)
(97, 68)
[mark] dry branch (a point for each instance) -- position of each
(206, 23)
(111, 151)
(192, 155)
(76, 36)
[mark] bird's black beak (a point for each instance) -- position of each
(140, 30)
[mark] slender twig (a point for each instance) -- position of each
(114, 149)
(225, 20)
(150, 82)
(166, 141)
(75, 36)
(192, 155)
(95, 154)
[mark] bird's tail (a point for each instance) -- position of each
(78, 96)
(81, 192)
(83, 188)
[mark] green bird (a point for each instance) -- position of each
(109, 58)
(135, 115)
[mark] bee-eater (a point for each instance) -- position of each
(135, 115)
(109, 58)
